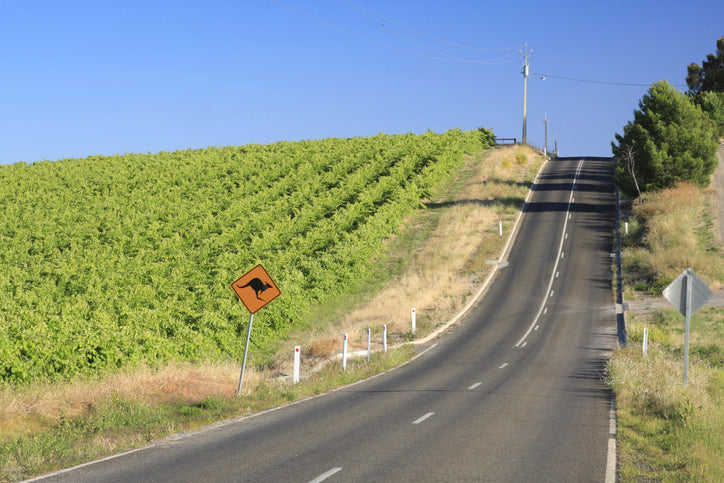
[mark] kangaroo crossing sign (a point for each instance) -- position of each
(255, 289)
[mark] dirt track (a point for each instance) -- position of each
(719, 185)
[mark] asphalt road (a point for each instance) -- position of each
(512, 393)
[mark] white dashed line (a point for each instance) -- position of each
(475, 385)
(422, 418)
(555, 268)
(326, 475)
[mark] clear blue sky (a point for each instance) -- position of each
(103, 77)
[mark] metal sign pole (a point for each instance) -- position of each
(246, 349)
(686, 327)
(688, 293)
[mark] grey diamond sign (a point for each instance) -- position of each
(676, 292)
(688, 293)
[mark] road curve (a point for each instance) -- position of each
(511, 393)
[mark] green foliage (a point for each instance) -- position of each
(712, 103)
(672, 140)
(667, 431)
(710, 75)
(107, 262)
(118, 423)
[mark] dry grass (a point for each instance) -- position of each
(653, 384)
(675, 223)
(668, 431)
(440, 274)
(40, 404)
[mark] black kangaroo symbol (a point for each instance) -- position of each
(257, 286)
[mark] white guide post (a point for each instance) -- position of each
(295, 377)
(384, 337)
(414, 321)
(369, 343)
(344, 353)
(646, 341)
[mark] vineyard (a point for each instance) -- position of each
(109, 262)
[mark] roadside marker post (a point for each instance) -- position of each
(646, 341)
(369, 343)
(384, 337)
(500, 225)
(414, 321)
(250, 288)
(344, 353)
(295, 376)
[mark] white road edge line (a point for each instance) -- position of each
(238, 419)
(558, 259)
(326, 475)
(422, 418)
(89, 463)
(475, 385)
(611, 456)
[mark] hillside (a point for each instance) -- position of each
(109, 262)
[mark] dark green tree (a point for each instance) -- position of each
(709, 76)
(712, 103)
(672, 138)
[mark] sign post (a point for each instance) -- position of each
(255, 289)
(688, 293)
(246, 349)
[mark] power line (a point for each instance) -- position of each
(382, 44)
(361, 11)
(350, 3)
(629, 84)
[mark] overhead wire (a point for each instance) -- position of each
(447, 57)
(573, 79)
(423, 33)
(504, 59)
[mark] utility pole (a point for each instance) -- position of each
(545, 148)
(525, 53)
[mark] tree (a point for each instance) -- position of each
(629, 163)
(712, 103)
(673, 140)
(710, 75)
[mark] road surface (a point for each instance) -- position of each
(512, 393)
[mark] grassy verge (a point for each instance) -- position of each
(434, 264)
(668, 431)
(670, 231)
(121, 420)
